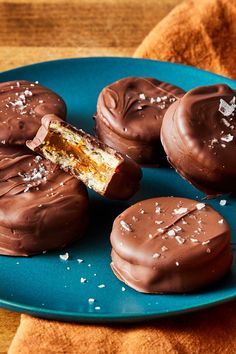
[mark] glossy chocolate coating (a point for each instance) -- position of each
(41, 207)
(22, 105)
(125, 179)
(170, 245)
(129, 116)
(200, 141)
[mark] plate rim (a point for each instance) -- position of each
(101, 58)
(96, 317)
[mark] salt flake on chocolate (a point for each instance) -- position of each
(142, 96)
(225, 122)
(225, 108)
(156, 255)
(180, 239)
(180, 211)
(171, 233)
(125, 226)
(158, 210)
(227, 138)
(200, 206)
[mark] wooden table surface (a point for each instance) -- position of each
(39, 30)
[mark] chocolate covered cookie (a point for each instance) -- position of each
(100, 167)
(199, 138)
(129, 116)
(170, 245)
(41, 207)
(22, 105)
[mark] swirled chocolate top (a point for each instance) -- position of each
(42, 207)
(134, 107)
(22, 105)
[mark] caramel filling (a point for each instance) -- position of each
(72, 151)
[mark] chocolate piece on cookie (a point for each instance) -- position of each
(170, 245)
(41, 207)
(199, 137)
(100, 167)
(129, 116)
(22, 105)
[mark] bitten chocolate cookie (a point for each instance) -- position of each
(199, 138)
(129, 116)
(41, 207)
(100, 167)
(22, 105)
(170, 245)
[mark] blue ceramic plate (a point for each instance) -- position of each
(49, 287)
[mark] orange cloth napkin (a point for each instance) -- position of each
(200, 33)
(206, 332)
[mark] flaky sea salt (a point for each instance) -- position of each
(225, 108)
(125, 226)
(28, 93)
(205, 242)
(223, 202)
(171, 233)
(83, 280)
(161, 230)
(164, 248)
(180, 211)
(180, 239)
(227, 138)
(36, 175)
(156, 255)
(221, 221)
(37, 159)
(64, 257)
(101, 286)
(194, 240)
(91, 301)
(142, 96)
(177, 228)
(226, 123)
(200, 206)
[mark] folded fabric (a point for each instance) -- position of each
(205, 332)
(201, 33)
